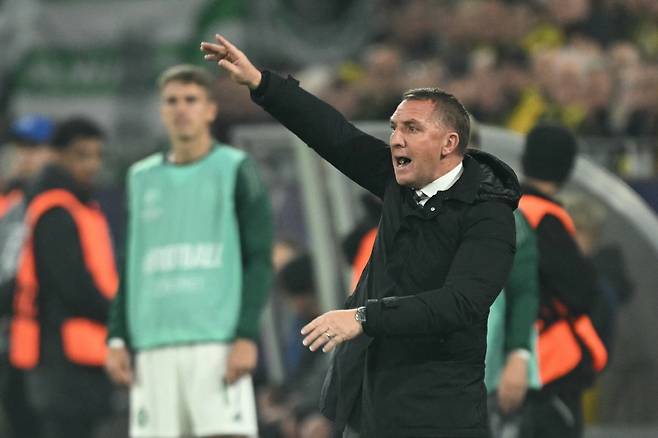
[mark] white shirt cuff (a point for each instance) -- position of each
(116, 343)
(520, 352)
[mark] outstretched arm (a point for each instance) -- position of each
(361, 157)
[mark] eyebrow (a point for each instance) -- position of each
(406, 122)
(185, 97)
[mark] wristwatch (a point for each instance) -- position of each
(360, 314)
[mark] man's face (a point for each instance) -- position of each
(186, 110)
(83, 159)
(419, 142)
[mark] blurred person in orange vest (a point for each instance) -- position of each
(358, 243)
(65, 280)
(614, 281)
(570, 351)
(28, 152)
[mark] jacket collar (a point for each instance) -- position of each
(466, 187)
(444, 182)
(498, 181)
(484, 178)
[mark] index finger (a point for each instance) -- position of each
(308, 328)
(211, 47)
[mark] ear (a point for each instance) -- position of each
(212, 111)
(451, 143)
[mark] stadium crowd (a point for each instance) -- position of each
(590, 64)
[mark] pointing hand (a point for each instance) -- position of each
(231, 59)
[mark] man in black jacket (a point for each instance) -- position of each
(416, 322)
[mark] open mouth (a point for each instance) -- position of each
(402, 162)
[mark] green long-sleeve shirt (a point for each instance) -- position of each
(513, 314)
(522, 289)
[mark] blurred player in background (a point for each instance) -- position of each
(197, 275)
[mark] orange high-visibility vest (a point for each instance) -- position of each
(362, 256)
(558, 349)
(83, 340)
(9, 200)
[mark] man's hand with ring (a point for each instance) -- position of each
(331, 329)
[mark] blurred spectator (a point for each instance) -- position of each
(392, 48)
(578, 51)
(291, 410)
(380, 86)
(413, 28)
(638, 101)
(30, 142)
(283, 251)
(276, 319)
(570, 349)
(615, 285)
(30, 137)
(65, 281)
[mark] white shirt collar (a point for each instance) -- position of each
(442, 183)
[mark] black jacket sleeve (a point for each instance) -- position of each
(361, 157)
(478, 273)
(563, 271)
(61, 267)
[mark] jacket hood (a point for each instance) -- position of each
(498, 182)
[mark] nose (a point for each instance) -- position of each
(396, 140)
(180, 106)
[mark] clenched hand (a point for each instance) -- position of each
(241, 360)
(117, 365)
(513, 383)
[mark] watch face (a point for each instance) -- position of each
(361, 314)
